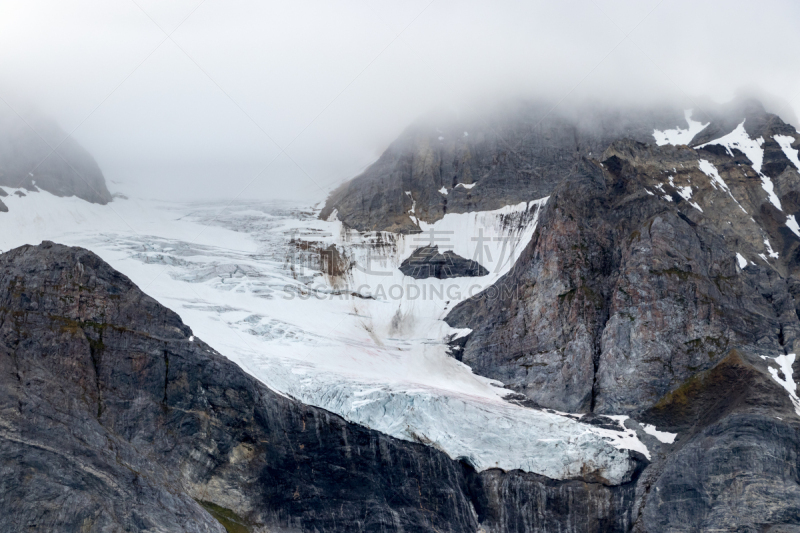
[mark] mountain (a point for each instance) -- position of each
(497, 158)
(661, 283)
(648, 266)
(35, 153)
(509, 155)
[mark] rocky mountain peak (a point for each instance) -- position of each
(35, 153)
(441, 166)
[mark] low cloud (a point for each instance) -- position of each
(208, 99)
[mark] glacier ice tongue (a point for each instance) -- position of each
(242, 279)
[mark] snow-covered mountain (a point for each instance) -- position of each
(631, 328)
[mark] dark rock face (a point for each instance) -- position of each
(27, 159)
(627, 289)
(517, 501)
(508, 157)
(113, 417)
(630, 300)
(427, 262)
(738, 475)
(734, 467)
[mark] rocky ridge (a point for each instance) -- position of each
(481, 163)
(428, 262)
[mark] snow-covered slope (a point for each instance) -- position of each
(679, 136)
(738, 139)
(353, 335)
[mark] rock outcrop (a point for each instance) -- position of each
(734, 464)
(37, 154)
(427, 262)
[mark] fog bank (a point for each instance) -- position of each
(208, 99)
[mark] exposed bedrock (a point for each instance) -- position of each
(627, 289)
(428, 262)
(734, 466)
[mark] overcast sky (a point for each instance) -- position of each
(239, 98)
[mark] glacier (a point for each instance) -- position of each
(350, 334)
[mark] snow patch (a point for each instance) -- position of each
(785, 363)
(663, 436)
(770, 252)
(466, 185)
(443, 190)
(686, 194)
(411, 212)
(741, 260)
(767, 185)
(623, 439)
(785, 143)
(739, 139)
(461, 332)
(791, 223)
(680, 136)
(716, 181)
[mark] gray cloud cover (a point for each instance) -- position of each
(199, 99)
